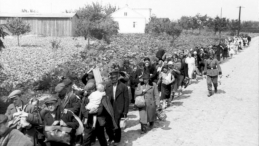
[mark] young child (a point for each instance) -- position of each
(95, 99)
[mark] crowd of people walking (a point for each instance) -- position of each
(78, 116)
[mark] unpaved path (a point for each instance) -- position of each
(229, 118)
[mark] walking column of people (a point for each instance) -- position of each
(78, 116)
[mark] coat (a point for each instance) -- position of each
(14, 137)
(212, 67)
(120, 102)
(33, 118)
(148, 113)
(72, 103)
(105, 109)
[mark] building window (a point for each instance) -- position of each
(125, 13)
(134, 24)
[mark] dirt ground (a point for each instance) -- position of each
(229, 118)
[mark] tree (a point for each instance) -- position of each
(18, 27)
(174, 30)
(95, 22)
(201, 21)
(158, 26)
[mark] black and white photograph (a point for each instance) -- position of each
(129, 73)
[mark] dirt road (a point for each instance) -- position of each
(229, 118)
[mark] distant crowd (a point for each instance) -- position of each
(99, 110)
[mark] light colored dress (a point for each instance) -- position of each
(190, 61)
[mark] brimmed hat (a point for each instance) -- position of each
(14, 94)
(3, 118)
(89, 86)
(51, 100)
(62, 85)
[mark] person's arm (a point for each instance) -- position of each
(75, 104)
(218, 67)
(156, 95)
(205, 68)
(126, 100)
(73, 123)
(138, 91)
(84, 112)
(8, 113)
(33, 115)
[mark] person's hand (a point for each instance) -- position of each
(17, 114)
(62, 123)
(65, 111)
(144, 91)
(205, 76)
(55, 123)
(220, 76)
(24, 114)
(85, 121)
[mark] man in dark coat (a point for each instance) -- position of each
(212, 70)
(68, 100)
(117, 93)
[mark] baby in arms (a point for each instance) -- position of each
(95, 99)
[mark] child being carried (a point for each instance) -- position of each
(95, 99)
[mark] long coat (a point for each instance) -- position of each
(33, 118)
(120, 102)
(72, 103)
(13, 137)
(148, 113)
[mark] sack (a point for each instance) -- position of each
(58, 134)
(140, 102)
(80, 129)
(161, 115)
(123, 123)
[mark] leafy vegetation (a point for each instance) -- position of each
(18, 27)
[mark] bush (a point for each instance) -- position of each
(55, 43)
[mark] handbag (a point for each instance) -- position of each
(161, 115)
(58, 134)
(140, 101)
(123, 123)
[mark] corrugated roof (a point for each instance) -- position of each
(46, 15)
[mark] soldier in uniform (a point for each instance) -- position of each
(212, 70)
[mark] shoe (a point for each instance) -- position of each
(115, 144)
(210, 94)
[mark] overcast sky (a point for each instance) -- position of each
(172, 9)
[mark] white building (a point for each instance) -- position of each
(132, 20)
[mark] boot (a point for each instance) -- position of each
(216, 89)
(151, 125)
(210, 94)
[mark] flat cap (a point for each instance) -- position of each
(3, 118)
(14, 93)
(51, 100)
(59, 87)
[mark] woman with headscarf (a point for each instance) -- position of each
(148, 113)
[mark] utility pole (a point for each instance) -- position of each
(239, 21)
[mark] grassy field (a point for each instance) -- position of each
(35, 60)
